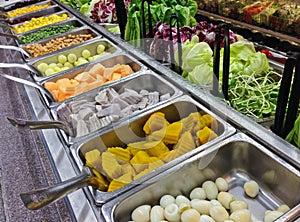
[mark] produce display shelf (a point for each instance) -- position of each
(80, 204)
(287, 42)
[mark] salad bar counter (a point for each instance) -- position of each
(95, 129)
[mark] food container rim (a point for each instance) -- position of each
(88, 42)
(80, 29)
(55, 104)
(71, 140)
(102, 197)
(108, 208)
(73, 19)
(53, 5)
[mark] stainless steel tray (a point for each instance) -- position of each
(47, 12)
(131, 130)
(79, 31)
(237, 159)
(73, 21)
(109, 61)
(91, 45)
(32, 14)
(146, 80)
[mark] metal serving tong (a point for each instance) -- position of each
(286, 117)
(19, 49)
(29, 83)
(39, 198)
(226, 61)
(121, 16)
(144, 31)
(42, 124)
(172, 54)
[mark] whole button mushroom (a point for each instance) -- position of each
(171, 213)
(242, 215)
(210, 189)
(251, 188)
(202, 206)
(166, 200)
(221, 184)
(198, 193)
(283, 208)
(190, 215)
(237, 205)
(206, 218)
(225, 199)
(218, 213)
(157, 214)
(270, 216)
(141, 213)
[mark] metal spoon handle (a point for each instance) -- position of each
(41, 124)
(19, 49)
(22, 66)
(36, 199)
(29, 83)
(9, 36)
(7, 26)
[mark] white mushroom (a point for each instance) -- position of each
(141, 213)
(225, 199)
(210, 189)
(206, 218)
(171, 213)
(242, 215)
(215, 203)
(270, 216)
(190, 215)
(221, 184)
(157, 214)
(198, 193)
(237, 205)
(202, 206)
(183, 207)
(218, 213)
(182, 199)
(166, 200)
(283, 208)
(251, 188)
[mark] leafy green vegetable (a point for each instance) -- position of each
(258, 63)
(202, 74)
(84, 8)
(294, 136)
(161, 10)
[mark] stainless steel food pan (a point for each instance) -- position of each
(80, 31)
(46, 12)
(27, 16)
(146, 80)
(111, 61)
(15, 4)
(237, 159)
(72, 22)
(110, 50)
(131, 130)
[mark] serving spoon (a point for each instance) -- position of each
(42, 124)
(89, 176)
(29, 83)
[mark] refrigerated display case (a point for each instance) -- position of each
(49, 154)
